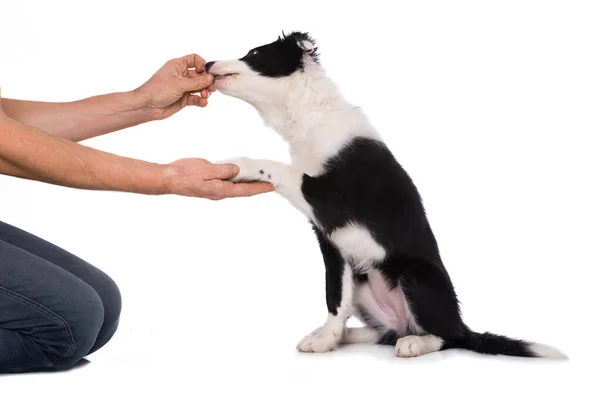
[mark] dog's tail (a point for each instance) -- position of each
(490, 343)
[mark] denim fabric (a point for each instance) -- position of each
(54, 307)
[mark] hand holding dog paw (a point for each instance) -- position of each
(197, 177)
(244, 168)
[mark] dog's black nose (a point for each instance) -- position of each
(208, 65)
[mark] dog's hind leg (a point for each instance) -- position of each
(286, 179)
(360, 335)
(432, 310)
(413, 346)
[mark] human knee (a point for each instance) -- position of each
(111, 299)
(75, 329)
(85, 318)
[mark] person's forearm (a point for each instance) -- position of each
(29, 153)
(83, 119)
(7, 168)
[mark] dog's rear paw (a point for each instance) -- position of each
(414, 346)
(409, 346)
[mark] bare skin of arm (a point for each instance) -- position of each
(175, 86)
(29, 153)
(42, 147)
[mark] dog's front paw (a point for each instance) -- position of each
(320, 341)
(249, 172)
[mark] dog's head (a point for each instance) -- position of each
(263, 74)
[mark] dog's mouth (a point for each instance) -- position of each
(223, 76)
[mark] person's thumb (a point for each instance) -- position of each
(224, 171)
(198, 83)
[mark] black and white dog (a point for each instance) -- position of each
(381, 257)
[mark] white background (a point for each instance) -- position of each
(492, 107)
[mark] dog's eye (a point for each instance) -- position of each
(253, 53)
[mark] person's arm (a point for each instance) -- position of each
(29, 153)
(83, 119)
(166, 92)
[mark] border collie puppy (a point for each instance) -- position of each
(381, 257)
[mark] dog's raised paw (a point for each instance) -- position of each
(246, 170)
(250, 170)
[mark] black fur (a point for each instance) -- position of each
(334, 269)
(489, 343)
(365, 184)
(282, 57)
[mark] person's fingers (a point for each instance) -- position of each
(180, 104)
(194, 100)
(223, 171)
(191, 73)
(194, 61)
(230, 189)
(204, 92)
(197, 84)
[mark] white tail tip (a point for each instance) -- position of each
(542, 350)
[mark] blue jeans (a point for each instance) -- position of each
(55, 308)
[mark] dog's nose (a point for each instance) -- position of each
(208, 65)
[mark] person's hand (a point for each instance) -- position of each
(196, 177)
(176, 85)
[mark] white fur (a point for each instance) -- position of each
(360, 335)
(320, 341)
(285, 178)
(346, 307)
(356, 243)
(306, 109)
(413, 346)
(411, 321)
(545, 351)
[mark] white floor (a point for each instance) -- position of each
(248, 364)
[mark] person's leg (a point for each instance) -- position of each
(49, 318)
(98, 280)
